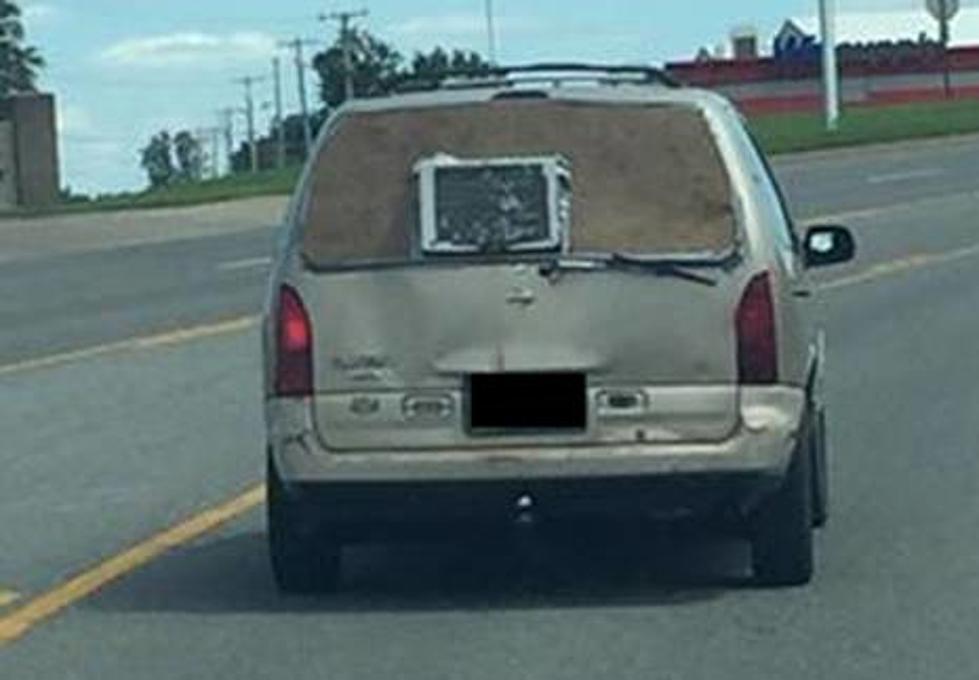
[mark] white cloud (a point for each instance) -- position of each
(870, 26)
(189, 49)
(448, 25)
(428, 31)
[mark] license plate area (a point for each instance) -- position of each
(518, 403)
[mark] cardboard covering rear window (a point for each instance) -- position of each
(648, 179)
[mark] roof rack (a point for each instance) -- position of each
(649, 74)
(555, 73)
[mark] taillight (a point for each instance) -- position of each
(294, 347)
(757, 338)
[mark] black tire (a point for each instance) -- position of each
(820, 473)
(782, 526)
(302, 562)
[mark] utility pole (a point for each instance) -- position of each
(249, 82)
(943, 11)
(227, 118)
(207, 137)
(215, 152)
(279, 121)
(297, 44)
(945, 14)
(491, 31)
(831, 75)
(344, 19)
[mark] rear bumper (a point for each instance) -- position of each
(760, 448)
(364, 511)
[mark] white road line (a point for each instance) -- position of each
(907, 176)
(870, 213)
(253, 263)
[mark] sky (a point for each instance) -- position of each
(124, 69)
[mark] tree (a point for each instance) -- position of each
(268, 144)
(19, 63)
(190, 157)
(157, 160)
(436, 64)
(378, 68)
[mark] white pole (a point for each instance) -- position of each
(831, 75)
(491, 31)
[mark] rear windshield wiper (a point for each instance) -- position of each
(660, 267)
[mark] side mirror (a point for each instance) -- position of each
(828, 245)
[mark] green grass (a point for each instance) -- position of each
(794, 132)
(267, 183)
(777, 133)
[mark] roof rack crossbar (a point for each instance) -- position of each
(649, 73)
(563, 72)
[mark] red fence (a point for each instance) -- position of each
(778, 86)
(814, 102)
(767, 69)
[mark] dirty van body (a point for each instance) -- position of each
(586, 302)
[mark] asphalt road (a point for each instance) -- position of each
(104, 450)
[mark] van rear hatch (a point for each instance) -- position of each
(572, 345)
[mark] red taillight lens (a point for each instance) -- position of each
(757, 338)
(294, 347)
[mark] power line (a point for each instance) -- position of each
(346, 44)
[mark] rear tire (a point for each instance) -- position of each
(782, 526)
(302, 562)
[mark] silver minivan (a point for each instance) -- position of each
(550, 295)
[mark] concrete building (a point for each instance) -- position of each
(29, 171)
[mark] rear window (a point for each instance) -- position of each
(644, 179)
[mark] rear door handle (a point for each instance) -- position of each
(802, 293)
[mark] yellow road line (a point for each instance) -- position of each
(8, 597)
(910, 263)
(197, 333)
(163, 339)
(19, 622)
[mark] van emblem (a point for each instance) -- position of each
(363, 367)
(360, 362)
